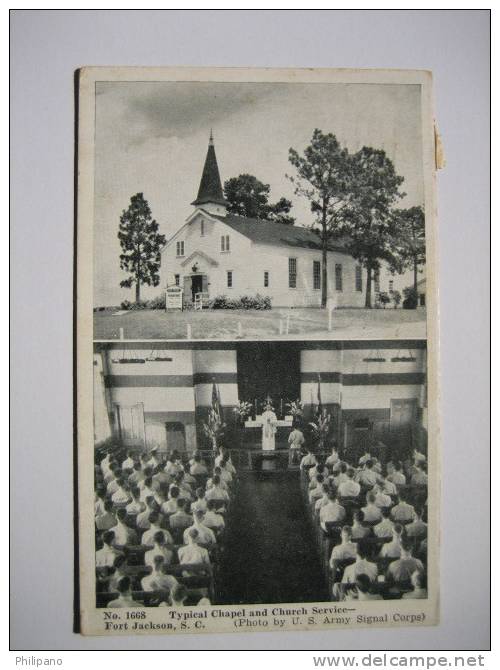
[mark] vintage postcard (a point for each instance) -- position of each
(257, 350)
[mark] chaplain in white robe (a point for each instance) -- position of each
(269, 422)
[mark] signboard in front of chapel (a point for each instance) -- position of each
(174, 297)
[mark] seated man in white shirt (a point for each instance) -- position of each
(308, 460)
(419, 584)
(170, 506)
(146, 488)
(364, 589)
(362, 566)
(122, 493)
(99, 500)
(160, 548)
(222, 483)
(349, 488)
(417, 528)
(212, 519)
(345, 550)
(319, 469)
(226, 464)
(381, 499)
(206, 535)
(200, 502)
(192, 553)
(367, 477)
(358, 530)
(392, 549)
(332, 512)
(419, 477)
(324, 500)
(137, 476)
(124, 535)
(317, 491)
(118, 571)
(129, 462)
(135, 506)
(371, 511)
(340, 475)
(125, 596)
(333, 458)
(105, 557)
(365, 458)
(181, 518)
(154, 527)
(216, 491)
(400, 571)
(402, 511)
(107, 519)
(198, 468)
(160, 479)
(142, 519)
(397, 477)
(148, 582)
(385, 527)
(389, 488)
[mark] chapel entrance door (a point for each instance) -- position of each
(196, 285)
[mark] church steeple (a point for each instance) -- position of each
(210, 195)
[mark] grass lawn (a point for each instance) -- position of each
(311, 323)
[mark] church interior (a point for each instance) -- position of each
(258, 465)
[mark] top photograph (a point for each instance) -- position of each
(248, 208)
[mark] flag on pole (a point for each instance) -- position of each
(319, 411)
(216, 404)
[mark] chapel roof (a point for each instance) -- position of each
(278, 234)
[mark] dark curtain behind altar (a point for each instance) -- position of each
(268, 367)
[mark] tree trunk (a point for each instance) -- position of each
(368, 299)
(137, 290)
(415, 275)
(324, 260)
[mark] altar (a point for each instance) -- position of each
(269, 424)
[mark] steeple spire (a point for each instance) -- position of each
(210, 191)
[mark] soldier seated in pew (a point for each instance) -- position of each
(206, 536)
(392, 549)
(345, 550)
(419, 586)
(198, 468)
(117, 572)
(402, 511)
(363, 590)
(349, 488)
(125, 595)
(162, 542)
(385, 527)
(418, 527)
(358, 530)
(332, 512)
(212, 518)
(371, 511)
(400, 571)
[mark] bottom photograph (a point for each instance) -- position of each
(233, 473)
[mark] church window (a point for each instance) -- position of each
(230, 279)
(202, 228)
(292, 273)
(391, 285)
(359, 278)
(376, 278)
(180, 248)
(316, 274)
(224, 243)
(266, 278)
(338, 276)
(177, 280)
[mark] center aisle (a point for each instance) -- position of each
(270, 555)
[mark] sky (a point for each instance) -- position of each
(152, 137)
